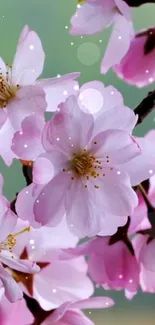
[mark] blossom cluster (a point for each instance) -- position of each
(88, 177)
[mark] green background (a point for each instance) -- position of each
(49, 18)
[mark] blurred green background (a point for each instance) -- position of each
(64, 54)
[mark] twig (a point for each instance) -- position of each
(145, 107)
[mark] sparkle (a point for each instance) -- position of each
(150, 171)
(58, 75)
(33, 247)
(131, 281)
(147, 71)
(72, 43)
(32, 241)
(27, 192)
(119, 37)
(31, 47)
(58, 139)
(76, 87)
(81, 36)
(118, 173)
(66, 27)
(65, 92)
(37, 201)
(112, 92)
(54, 290)
(100, 41)
(25, 145)
(120, 276)
(20, 132)
(151, 80)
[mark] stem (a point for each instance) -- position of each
(27, 172)
(145, 107)
(146, 199)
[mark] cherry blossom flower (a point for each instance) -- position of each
(103, 253)
(8, 260)
(138, 67)
(58, 280)
(92, 16)
(83, 168)
(21, 95)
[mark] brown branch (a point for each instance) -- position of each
(145, 107)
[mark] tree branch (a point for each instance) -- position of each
(145, 107)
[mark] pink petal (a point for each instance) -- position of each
(124, 8)
(120, 39)
(43, 170)
(7, 133)
(24, 210)
(78, 203)
(96, 99)
(8, 219)
(91, 19)
(27, 143)
(12, 289)
(67, 288)
(141, 167)
(118, 117)
(94, 302)
(118, 145)
(23, 266)
(58, 89)
(3, 117)
(29, 100)
(138, 68)
(115, 195)
(16, 313)
(147, 256)
(26, 68)
(66, 131)
(49, 206)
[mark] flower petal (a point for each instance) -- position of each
(29, 100)
(114, 147)
(121, 37)
(26, 68)
(13, 291)
(58, 89)
(82, 217)
(49, 206)
(27, 143)
(24, 210)
(94, 302)
(91, 19)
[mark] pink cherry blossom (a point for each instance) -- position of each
(102, 255)
(138, 66)
(70, 313)
(8, 222)
(59, 280)
(21, 95)
(84, 174)
(144, 248)
(95, 15)
(14, 313)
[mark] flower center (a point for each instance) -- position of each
(82, 164)
(11, 240)
(7, 91)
